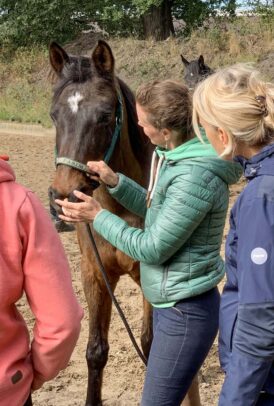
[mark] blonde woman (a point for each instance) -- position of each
(179, 248)
(236, 109)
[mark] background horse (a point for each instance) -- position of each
(91, 107)
(195, 71)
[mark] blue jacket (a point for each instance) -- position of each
(246, 342)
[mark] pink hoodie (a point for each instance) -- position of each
(32, 260)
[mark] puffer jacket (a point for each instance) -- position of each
(179, 248)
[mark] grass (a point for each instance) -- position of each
(25, 91)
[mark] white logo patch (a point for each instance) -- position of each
(74, 100)
(259, 256)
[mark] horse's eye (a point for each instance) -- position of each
(104, 118)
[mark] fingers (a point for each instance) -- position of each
(74, 206)
(69, 219)
(97, 166)
(66, 204)
(94, 177)
(83, 196)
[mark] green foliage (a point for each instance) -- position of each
(118, 18)
(194, 13)
(29, 22)
(143, 6)
(39, 21)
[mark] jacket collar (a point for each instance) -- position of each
(260, 164)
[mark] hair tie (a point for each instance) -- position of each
(262, 103)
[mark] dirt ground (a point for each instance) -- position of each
(31, 156)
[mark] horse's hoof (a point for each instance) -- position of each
(63, 227)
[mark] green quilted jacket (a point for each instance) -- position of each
(179, 247)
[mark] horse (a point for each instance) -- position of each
(95, 118)
(88, 104)
(195, 71)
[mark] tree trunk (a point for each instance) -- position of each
(157, 22)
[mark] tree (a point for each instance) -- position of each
(157, 15)
(157, 21)
(40, 21)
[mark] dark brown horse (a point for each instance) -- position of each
(95, 118)
(195, 71)
(89, 102)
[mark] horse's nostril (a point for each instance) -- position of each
(85, 190)
(72, 198)
(51, 194)
(54, 194)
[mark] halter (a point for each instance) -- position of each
(108, 154)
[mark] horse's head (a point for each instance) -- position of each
(195, 71)
(85, 110)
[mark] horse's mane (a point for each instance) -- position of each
(139, 142)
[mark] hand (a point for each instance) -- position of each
(84, 211)
(102, 172)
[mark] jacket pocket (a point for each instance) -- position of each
(10, 381)
(232, 333)
(164, 282)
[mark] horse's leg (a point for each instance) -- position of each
(193, 396)
(147, 331)
(99, 306)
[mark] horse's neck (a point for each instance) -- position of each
(125, 161)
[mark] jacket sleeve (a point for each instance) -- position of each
(253, 338)
(130, 195)
(48, 286)
(184, 208)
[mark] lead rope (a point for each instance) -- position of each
(113, 298)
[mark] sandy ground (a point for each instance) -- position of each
(31, 156)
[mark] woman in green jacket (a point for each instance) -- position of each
(179, 248)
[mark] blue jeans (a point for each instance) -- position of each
(182, 338)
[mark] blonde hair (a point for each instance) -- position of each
(238, 101)
(168, 105)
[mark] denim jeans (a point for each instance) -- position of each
(182, 338)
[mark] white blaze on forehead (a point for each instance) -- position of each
(74, 100)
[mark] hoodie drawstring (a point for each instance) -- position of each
(154, 176)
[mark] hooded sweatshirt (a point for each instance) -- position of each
(32, 261)
(179, 248)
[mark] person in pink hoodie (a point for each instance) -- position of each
(32, 261)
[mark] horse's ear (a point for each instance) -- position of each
(184, 60)
(58, 57)
(103, 58)
(201, 61)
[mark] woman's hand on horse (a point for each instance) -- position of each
(84, 211)
(102, 172)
